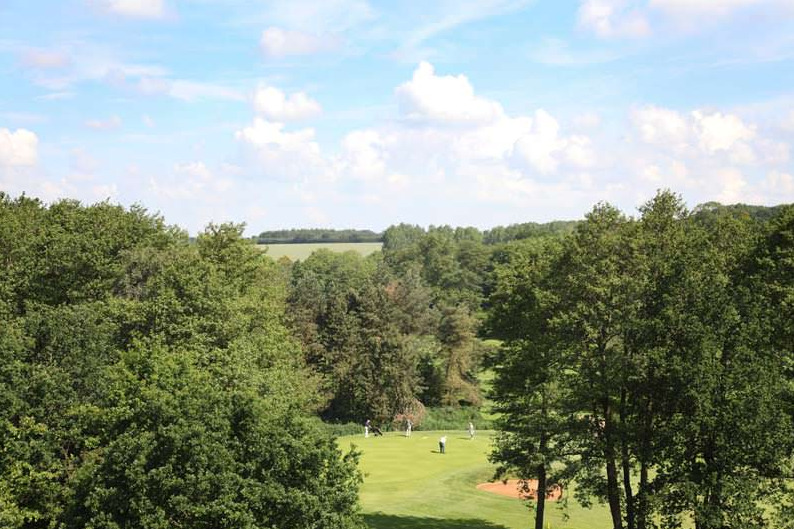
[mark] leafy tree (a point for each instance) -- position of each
(597, 299)
(356, 324)
(147, 382)
(527, 393)
(459, 354)
(180, 449)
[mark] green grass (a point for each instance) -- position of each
(454, 417)
(486, 378)
(408, 484)
(300, 252)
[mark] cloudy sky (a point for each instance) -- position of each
(359, 113)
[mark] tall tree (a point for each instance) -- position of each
(527, 390)
(599, 296)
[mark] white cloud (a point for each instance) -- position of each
(772, 152)
(731, 185)
(266, 133)
(328, 16)
(612, 19)
(558, 52)
(112, 123)
(491, 141)
(194, 170)
(153, 85)
(543, 149)
(363, 156)
(185, 90)
(83, 163)
(191, 181)
(279, 42)
(659, 126)
(18, 148)
(144, 9)
(720, 132)
(316, 216)
(540, 147)
(82, 62)
(77, 63)
(787, 121)
(710, 8)
(709, 133)
(436, 18)
(193, 91)
(638, 18)
(443, 99)
(707, 155)
(579, 152)
(282, 155)
(465, 143)
(104, 191)
(587, 120)
(778, 187)
(45, 59)
(23, 118)
(465, 151)
(55, 96)
(275, 105)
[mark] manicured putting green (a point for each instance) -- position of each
(408, 484)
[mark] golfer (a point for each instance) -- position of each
(442, 444)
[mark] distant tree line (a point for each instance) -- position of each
(297, 236)
(528, 230)
(499, 234)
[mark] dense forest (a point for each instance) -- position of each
(151, 380)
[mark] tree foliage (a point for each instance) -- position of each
(149, 382)
(670, 354)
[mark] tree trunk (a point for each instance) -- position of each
(642, 503)
(626, 463)
(642, 497)
(541, 506)
(712, 500)
(627, 486)
(613, 489)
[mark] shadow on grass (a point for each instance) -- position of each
(391, 521)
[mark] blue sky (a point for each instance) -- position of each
(358, 113)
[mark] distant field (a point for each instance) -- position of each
(409, 485)
(297, 252)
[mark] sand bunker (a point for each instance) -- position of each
(511, 488)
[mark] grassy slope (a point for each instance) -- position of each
(407, 484)
(302, 251)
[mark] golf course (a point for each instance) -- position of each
(409, 484)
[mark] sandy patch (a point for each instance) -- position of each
(511, 488)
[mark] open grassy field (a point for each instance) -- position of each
(409, 485)
(300, 252)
